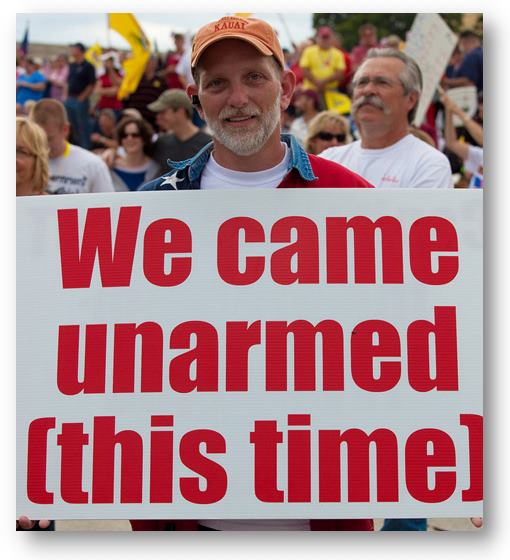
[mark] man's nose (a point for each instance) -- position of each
(238, 96)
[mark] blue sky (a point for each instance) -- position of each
(60, 28)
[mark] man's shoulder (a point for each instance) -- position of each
(79, 154)
(414, 147)
(167, 182)
(340, 153)
(332, 174)
(199, 139)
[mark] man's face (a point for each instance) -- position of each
(325, 40)
(75, 53)
(467, 44)
(368, 37)
(179, 43)
(303, 103)
(378, 95)
(56, 135)
(166, 119)
(242, 95)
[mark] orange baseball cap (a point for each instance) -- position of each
(254, 31)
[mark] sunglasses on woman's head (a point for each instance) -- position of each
(327, 136)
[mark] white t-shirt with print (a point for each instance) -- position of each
(409, 163)
(78, 171)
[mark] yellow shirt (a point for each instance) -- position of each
(322, 64)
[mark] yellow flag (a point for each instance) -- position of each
(134, 66)
(93, 54)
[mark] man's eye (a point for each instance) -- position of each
(215, 83)
(255, 77)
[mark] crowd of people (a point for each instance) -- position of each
(252, 115)
(171, 128)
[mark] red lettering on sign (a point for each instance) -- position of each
(36, 460)
(444, 331)
(375, 339)
(304, 250)
(228, 251)
(72, 439)
(156, 247)
(215, 474)
(105, 440)
(419, 459)
(77, 263)
(422, 246)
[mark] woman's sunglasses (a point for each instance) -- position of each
(327, 136)
(131, 135)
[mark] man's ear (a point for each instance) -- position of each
(288, 85)
(192, 90)
(66, 128)
(414, 99)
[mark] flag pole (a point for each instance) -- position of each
(284, 23)
(108, 36)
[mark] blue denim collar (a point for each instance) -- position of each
(298, 160)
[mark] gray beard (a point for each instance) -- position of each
(247, 142)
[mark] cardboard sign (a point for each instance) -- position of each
(430, 42)
(465, 98)
(310, 353)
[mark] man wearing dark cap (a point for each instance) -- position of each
(323, 65)
(241, 88)
(80, 85)
(180, 138)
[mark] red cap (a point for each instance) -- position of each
(324, 31)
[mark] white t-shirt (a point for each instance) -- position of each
(299, 128)
(474, 165)
(409, 163)
(78, 171)
(215, 176)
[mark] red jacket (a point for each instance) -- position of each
(315, 525)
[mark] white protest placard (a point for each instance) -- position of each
(304, 353)
(431, 43)
(466, 98)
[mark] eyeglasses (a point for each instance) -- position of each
(130, 135)
(22, 152)
(327, 136)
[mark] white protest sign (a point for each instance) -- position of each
(430, 42)
(465, 98)
(191, 355)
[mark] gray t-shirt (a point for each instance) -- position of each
(168, 146)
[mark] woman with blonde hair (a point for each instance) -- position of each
(325, 130)
(31, 158)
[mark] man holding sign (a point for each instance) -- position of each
(241, 89)
(247, 352)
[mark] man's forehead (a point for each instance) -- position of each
(381, 66)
